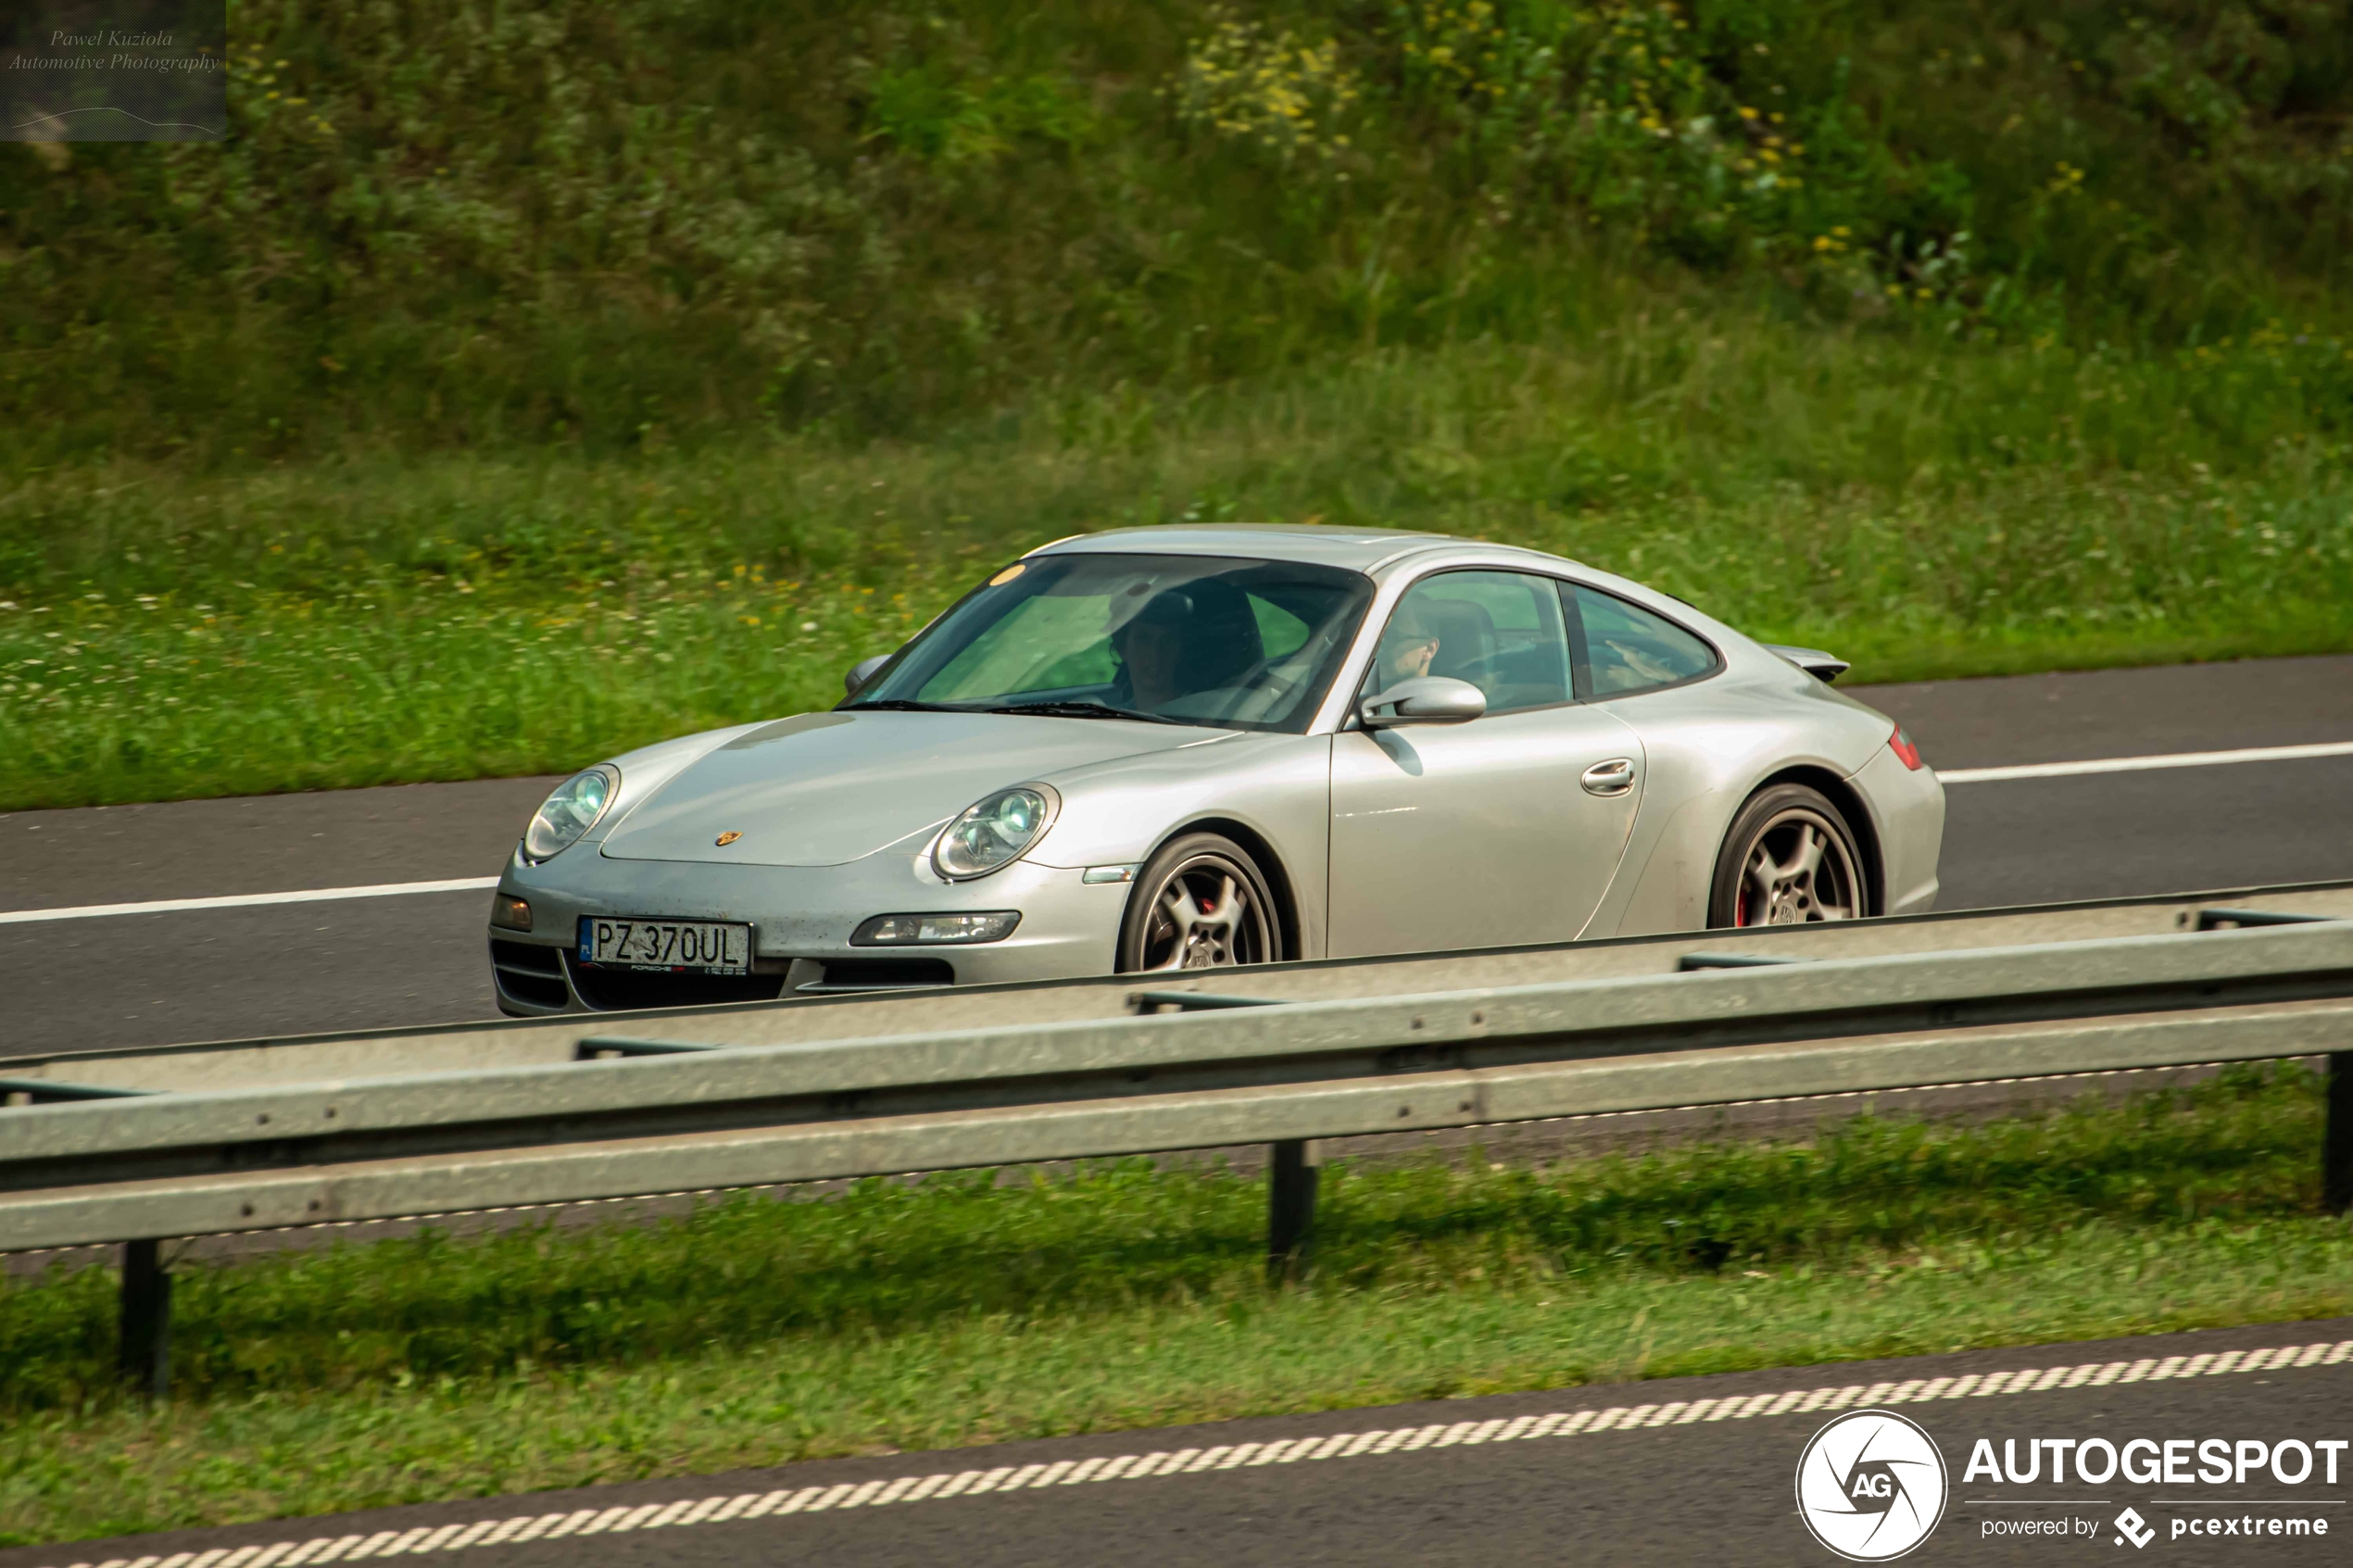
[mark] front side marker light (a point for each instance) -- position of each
(1907, 751)
(509, 913)
(1109, 873)
(905, 931)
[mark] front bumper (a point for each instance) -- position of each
(801, 918)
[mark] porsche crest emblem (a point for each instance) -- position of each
(724, 839)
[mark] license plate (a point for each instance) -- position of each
(701, 946)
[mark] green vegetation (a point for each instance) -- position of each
(458, 223)
(435, 412)
(454, 617)
(957, 1311)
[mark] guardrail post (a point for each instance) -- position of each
(2336, 1138)
(1291, 1207)
(146, 1318)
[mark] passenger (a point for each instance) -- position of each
(1407, 644)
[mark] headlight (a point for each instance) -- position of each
(570, 812)
(993, 832)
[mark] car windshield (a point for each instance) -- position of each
(1209, 640)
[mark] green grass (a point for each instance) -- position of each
(436, 411)
(1924, 509)
(957, 1311)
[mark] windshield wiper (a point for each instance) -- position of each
(901, 705)
(1085, 710)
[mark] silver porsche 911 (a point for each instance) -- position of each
(1182, 748)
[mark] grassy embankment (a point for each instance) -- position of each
(456, 617)
(421, 431)
(957, 1313)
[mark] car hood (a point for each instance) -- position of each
(827, 788)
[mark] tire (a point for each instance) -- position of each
(1763, 876)
(1201, 902)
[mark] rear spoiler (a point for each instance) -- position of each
(1823, 667)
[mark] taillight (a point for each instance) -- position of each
(1906, 751)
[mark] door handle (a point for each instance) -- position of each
(1612, 777)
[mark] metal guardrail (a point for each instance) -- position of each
(519, 1042)
(49, 1091)
(1224, 1048)
(638, 1116)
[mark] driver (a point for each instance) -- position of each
(1151, 648)
(1183, 642)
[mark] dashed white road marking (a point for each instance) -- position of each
(246, 900)
(440, 1540)
(2142, 764)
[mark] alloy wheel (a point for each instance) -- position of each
(1205, 914)
(1799, 867)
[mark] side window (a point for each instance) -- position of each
(1500, 630)
(1625, 649)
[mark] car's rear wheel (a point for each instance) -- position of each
(1789, 859)
(1200, 903)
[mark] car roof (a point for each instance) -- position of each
(1360, 549)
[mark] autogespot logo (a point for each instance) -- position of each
(1871, 1485)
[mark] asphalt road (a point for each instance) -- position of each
(418, 959)
(2113, 835)
(1638, 1486)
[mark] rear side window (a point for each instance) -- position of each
(1620, 647)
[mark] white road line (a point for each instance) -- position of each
(483, 884)
(467, 1535)
(2142, 764)
(244, 900)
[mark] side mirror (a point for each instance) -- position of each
(1425, 700)
(863, 671)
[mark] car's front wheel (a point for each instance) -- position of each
(1790, 859)
(1200, 903)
